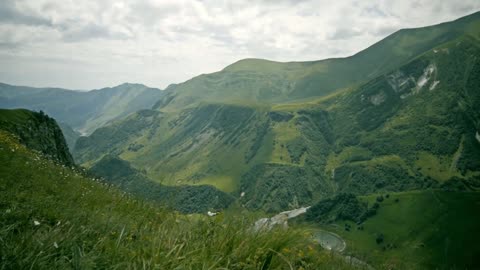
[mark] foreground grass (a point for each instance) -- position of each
(51, 217)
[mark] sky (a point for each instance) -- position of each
(91, 44)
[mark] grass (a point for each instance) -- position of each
(422, 230)
(348, 154)
(52, 217)
(223, 183)
(437, 167)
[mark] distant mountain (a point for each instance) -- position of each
(70, 135)
(38, 132)
(400, 115)
(83, 111)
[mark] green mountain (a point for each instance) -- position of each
(54, 217)
(384, 145)
(83, 111)
(258, 81)
(402, 116)
(37, 131)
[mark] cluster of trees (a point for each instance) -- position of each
(274, 187)
(185, 199)
(387, 176)
(344, 206)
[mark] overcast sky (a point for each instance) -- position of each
(92, 44)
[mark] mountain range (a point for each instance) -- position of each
(82, 111)
(400, 115)
(388, 135)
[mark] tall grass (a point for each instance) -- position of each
(52, 217)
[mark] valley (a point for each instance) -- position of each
(365, 162)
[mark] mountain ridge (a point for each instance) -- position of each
(383, 134)
(84, 111)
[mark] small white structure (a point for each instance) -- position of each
(279, 219)
(211, 214)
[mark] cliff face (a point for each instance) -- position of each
(37, 131)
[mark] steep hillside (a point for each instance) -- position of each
(51, 217)
(185, 199)
(414, 230)
(412, 127)
(260, 81)
(84, 111)
(38, 132)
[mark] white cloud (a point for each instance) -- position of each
(92, 44)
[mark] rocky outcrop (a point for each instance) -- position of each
(37, 131)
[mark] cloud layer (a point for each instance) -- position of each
(92, 44)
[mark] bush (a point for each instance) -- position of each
(341, 207)
(379, 239)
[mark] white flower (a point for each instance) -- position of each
(36, 223)
(55, 244)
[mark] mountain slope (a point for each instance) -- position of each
(429, 229)
(185, 199)
(262, 81)
(71, 136)
(82, 111)
(38, 131)
(412, 127)
(52, 217)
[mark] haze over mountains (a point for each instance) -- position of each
(395, 126)
(84, 111)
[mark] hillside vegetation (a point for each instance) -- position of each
(51, 217)
(184, 198)
(38, 131)
(431, 229)
(411, 126)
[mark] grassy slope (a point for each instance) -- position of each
(185, 199)
(423, 230)
(384, 134)
(209, 143)
(257, 81)
(300, 152)
(51, 217)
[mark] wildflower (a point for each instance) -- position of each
(55, 244)
(36, 223)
